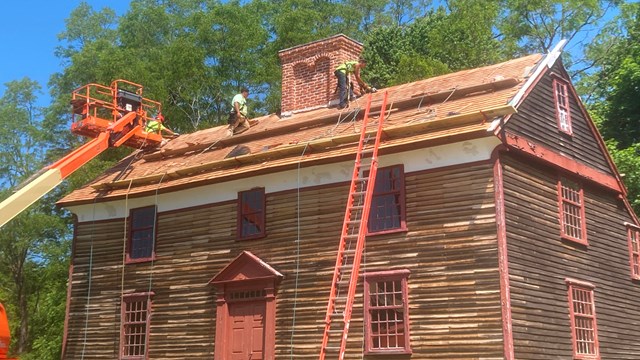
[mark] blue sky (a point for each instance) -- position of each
(28, 36)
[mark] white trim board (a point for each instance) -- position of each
(413, 160)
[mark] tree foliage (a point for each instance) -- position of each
(27, 242)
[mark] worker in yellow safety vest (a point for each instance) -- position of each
(156, 126)
(342, 73)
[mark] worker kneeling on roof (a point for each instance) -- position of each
(342, 73)
(156, 126)
(238, 115)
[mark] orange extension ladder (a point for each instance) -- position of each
(354, 229)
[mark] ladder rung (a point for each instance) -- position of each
(341, 300)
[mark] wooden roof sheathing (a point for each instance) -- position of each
(423, 113)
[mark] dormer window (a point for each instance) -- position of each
(563, 111)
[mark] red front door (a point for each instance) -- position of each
(246, 335)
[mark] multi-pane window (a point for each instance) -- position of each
(633, 235)
(142, 233)
(136, 311)
(572, 216)
(386, 312)
(387, 204)
(563, 112)
(582, 312)
(251, 214)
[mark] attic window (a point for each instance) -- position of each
(572, 214)
(563, 110)
(251, 214)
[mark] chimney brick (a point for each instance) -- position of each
(307, 71)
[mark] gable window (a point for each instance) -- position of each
(386, 312)
(633, 236)
(582, 311)
(572, 216)
(251, 214)
(387, 211)
(563, 112)
(135, 317)
(142, 233)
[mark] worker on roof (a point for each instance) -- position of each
(238, 114)
(342, 73)
(157, 126)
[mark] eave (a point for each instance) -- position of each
(315, 152)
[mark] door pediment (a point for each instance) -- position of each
(245, 266)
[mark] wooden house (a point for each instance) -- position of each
(499, 228)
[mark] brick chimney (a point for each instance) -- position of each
(307, 71)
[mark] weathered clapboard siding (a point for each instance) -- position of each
(539, 261)
(450, 248)
(536, 120)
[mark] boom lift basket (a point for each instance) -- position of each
(96, 107)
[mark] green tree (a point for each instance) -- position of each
(25, 242)
(446, 39)
(537, 25)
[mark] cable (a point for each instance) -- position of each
(86, 317)
(295, 294)
(124, 244)
(153, 241)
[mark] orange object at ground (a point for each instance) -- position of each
(5, 336)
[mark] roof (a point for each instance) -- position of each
(428, 112)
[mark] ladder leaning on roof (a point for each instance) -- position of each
(354, 228)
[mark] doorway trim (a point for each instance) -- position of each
(248, 273)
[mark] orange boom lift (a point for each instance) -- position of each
(112, 116)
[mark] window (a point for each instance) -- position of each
(582, 311)
(251, 214)
(572, 217)
(386, 312)
(141, 244)
(387, 204)
(563, 112)
(134, 340)
(633, 235)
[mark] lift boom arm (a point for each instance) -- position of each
(51, 176)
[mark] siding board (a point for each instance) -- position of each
(450, 248)
(539, 261)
